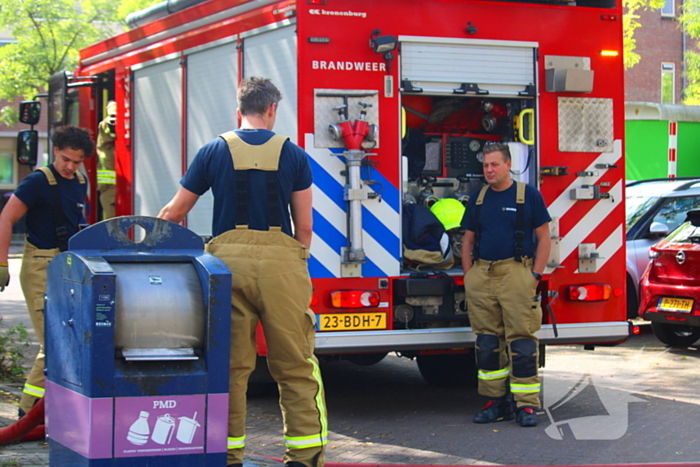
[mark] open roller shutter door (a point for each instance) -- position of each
(439, 66)
(157, 136)
(212, 77)
(273, 55)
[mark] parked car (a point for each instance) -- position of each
(653, 208)
(670, 286)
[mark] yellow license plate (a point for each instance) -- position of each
(351, 321)
(683, 305)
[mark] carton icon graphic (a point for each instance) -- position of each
(186, 429)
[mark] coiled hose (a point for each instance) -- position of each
(28, 428)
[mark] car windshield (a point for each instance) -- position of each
(636, 205)
(639, 198)
(685, 233)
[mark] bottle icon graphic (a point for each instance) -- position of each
(139, 430)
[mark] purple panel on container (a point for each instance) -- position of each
(159, 425)
(217, 422)
(81, 424)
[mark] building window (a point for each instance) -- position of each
(669, 9)
(668, 83)
(8, 171)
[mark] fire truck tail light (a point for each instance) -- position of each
(589, 292)
(609, 53)
(354, 299)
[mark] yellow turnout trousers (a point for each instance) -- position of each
(32, 277)
(107, 199)
(505, 313)
(271, 283)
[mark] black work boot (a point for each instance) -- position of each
(498, 410)
(294, 464)
(526, 416)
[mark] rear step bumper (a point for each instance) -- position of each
(447, 338)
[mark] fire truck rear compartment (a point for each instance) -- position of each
(423, 302)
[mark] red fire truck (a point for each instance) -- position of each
(360, 80)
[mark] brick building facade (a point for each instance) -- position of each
(662, 46)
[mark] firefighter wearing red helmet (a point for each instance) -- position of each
(507, 231)
(258, 178)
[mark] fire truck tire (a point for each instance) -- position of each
(448, 370)
(365, 359)
(676, 335)
(632, 299)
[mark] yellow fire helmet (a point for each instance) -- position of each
(449, 211)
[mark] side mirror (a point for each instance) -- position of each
(29, 112)
(658, 230)
(27, 147)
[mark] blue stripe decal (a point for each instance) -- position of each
(317, 270)
(388, 191)
(376, 228)
(335, 239)
(369, 269)
(328, 184)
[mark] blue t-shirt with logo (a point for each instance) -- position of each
(497, 222)
(212, 168)
(36, 193)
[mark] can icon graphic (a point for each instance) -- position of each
(187, 428)
(163, 431)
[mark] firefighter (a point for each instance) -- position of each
(52, 198)
(258, 179)
(106, 175)
(506, 224)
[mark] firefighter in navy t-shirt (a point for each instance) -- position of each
(52, 198)
(507, 231)
(257, 178)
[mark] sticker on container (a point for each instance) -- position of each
(155, 280)
(159, 426)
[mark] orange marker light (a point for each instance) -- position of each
(354, 299)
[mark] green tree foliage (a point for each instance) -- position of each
(49, 35)
(690, 19)
(630, 22)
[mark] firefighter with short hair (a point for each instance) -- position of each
(52, 197)
(507, 231)
(106, 175)
(258, 178)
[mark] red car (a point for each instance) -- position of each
(670, 286)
